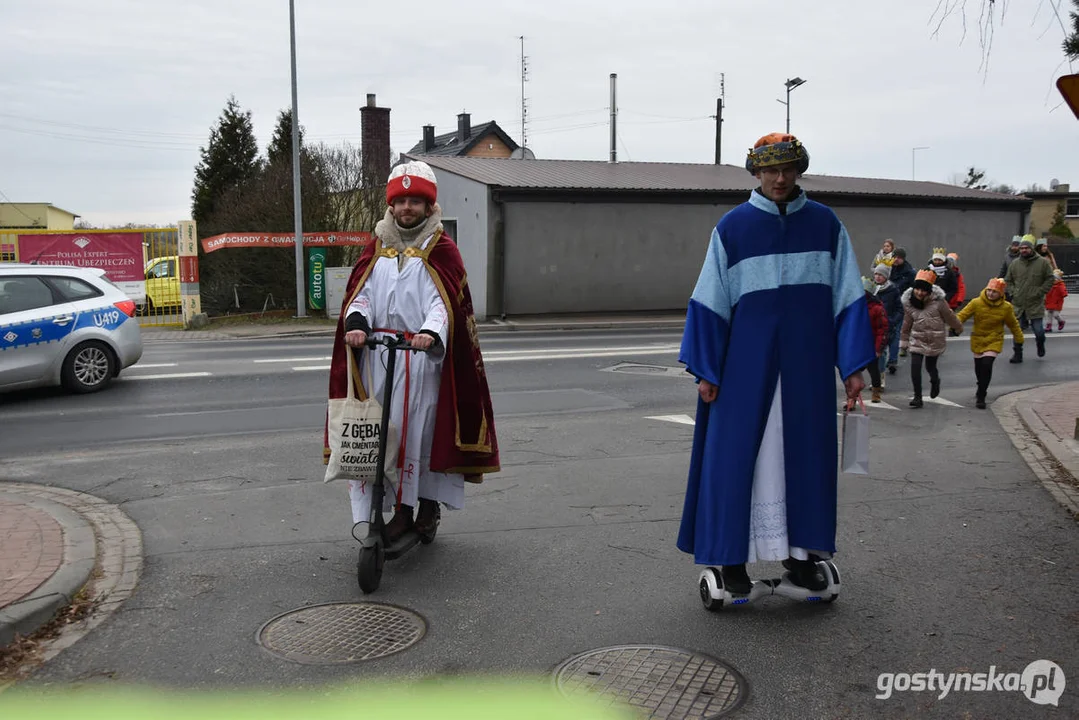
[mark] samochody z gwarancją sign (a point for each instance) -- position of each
(283, 240)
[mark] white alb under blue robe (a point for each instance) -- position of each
(779, 296)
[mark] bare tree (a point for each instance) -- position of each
(351, 201)
(991, 13)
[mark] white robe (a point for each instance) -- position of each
(400, 295)
(768, 507)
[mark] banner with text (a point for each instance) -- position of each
(283, 240)
(120, 255)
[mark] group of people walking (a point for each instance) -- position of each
(914, 312)
(779, 274)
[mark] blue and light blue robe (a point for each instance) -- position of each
(779, 296)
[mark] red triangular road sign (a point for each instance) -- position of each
(1068, 85)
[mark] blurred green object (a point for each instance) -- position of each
(449, 699)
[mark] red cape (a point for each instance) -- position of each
(464, 439)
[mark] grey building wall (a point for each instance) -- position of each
(563, 257)
(467, 201)
(980, 237)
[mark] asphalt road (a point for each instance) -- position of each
(953, 557)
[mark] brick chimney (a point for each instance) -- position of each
(428, 138)
(375, 142)
(464, 128)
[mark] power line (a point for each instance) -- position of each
(17, 208)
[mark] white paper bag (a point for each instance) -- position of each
(856, 442)
(353, 433)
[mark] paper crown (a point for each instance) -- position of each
(997, 284)
(927, 275)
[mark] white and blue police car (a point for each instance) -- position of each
(65, 326)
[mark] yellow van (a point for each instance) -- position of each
(162, 283)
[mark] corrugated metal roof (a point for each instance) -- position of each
(679, 177)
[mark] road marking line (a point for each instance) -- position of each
(513, 356)
(293, 360)
(680, 419)
(143, 366)
(168, 376)
(586, 351)
(881, 404)
(942, 401)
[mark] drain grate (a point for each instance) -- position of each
(666, 682)
(341, 633)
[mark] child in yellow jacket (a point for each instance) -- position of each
(991, 313)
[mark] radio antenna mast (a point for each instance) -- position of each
(524, 100)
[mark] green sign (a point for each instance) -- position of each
(316, 278)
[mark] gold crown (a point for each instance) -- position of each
(939, 250)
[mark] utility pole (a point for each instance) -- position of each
(614, 118)
(524, 102)
(297, 209)
(720, 102)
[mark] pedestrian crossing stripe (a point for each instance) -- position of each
(680, 419)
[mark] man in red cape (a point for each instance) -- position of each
(411, 279)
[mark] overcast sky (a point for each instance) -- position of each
(104, 104)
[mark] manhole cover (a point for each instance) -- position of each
(341, 632)
(665, 682)
(655, 370)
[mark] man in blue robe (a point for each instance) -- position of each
(779, 305)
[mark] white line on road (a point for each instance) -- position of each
(606, 351)
(680, 419)
(527, 355)
(143, 366)
(293, 360)
(167, 376)
(942, 401)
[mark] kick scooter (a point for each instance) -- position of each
(374, 548)
(715, 596)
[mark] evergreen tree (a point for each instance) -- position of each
(280, 149)
(228, 160)
(974, 179)
(1071, 42)
(1060, 224)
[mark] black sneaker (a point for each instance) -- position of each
(916, 402)
(892, 369)
(934, 388)
(736, 579)
(806, 574)
(979, 403)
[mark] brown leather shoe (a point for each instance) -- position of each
(401, 523)
(428, 516)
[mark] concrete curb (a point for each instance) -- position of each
(80, 554)
(1050, 460)
(117, 544)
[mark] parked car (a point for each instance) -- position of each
(162, 284)
(64, 326)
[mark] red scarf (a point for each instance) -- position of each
(464, 439)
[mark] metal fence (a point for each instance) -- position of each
(153, 282)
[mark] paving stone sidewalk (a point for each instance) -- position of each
(55, 543)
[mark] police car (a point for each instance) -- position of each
(64, 326)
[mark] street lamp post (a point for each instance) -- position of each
(297, 209)
(790, 85)
(913, 152)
